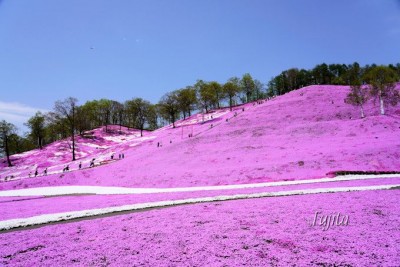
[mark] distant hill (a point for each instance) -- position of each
(304, 134)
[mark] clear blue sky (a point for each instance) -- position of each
(92, 49)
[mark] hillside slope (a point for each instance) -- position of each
(98, 143)
(304, 134)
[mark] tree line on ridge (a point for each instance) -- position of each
(68, 118)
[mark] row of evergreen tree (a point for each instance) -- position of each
(336, 74)
(68, 118)
(367, 82)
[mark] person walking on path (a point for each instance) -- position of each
(66, 168)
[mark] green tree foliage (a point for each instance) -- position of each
(293, 79)
(398, 69)
(169, 107)
(322, 75)
(382, 81)
(139, 110)
(288, 80)
(92, 113)
(358, 94)
(291, 76)
(102, 113)
(338, 71)
(248, 86)
(231, 88)
(206, 97)
(37, 126)
(68, 118)
(152, 117)
(19, 144)
(66, 110)
(119, 111)
(114, 117)
(104, 107)
(6, 131)
(218, 93)
(259, 90)
(84, 118)
(304, 78)
(56, 127)
(271, 88)
(187, 100)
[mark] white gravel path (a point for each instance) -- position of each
(105, 190)
(57, 217)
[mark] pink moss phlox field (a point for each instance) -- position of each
(305, 134)
(257, 232)
(24, 207)
(313, 133)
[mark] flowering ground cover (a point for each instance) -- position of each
(92, 144)
(313, 133)
(24, 207)
(44, 219)
(276, 231)
(306, 134)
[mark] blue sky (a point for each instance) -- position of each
(92, 49)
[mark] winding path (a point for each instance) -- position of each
(332, 185)
(103, 190)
